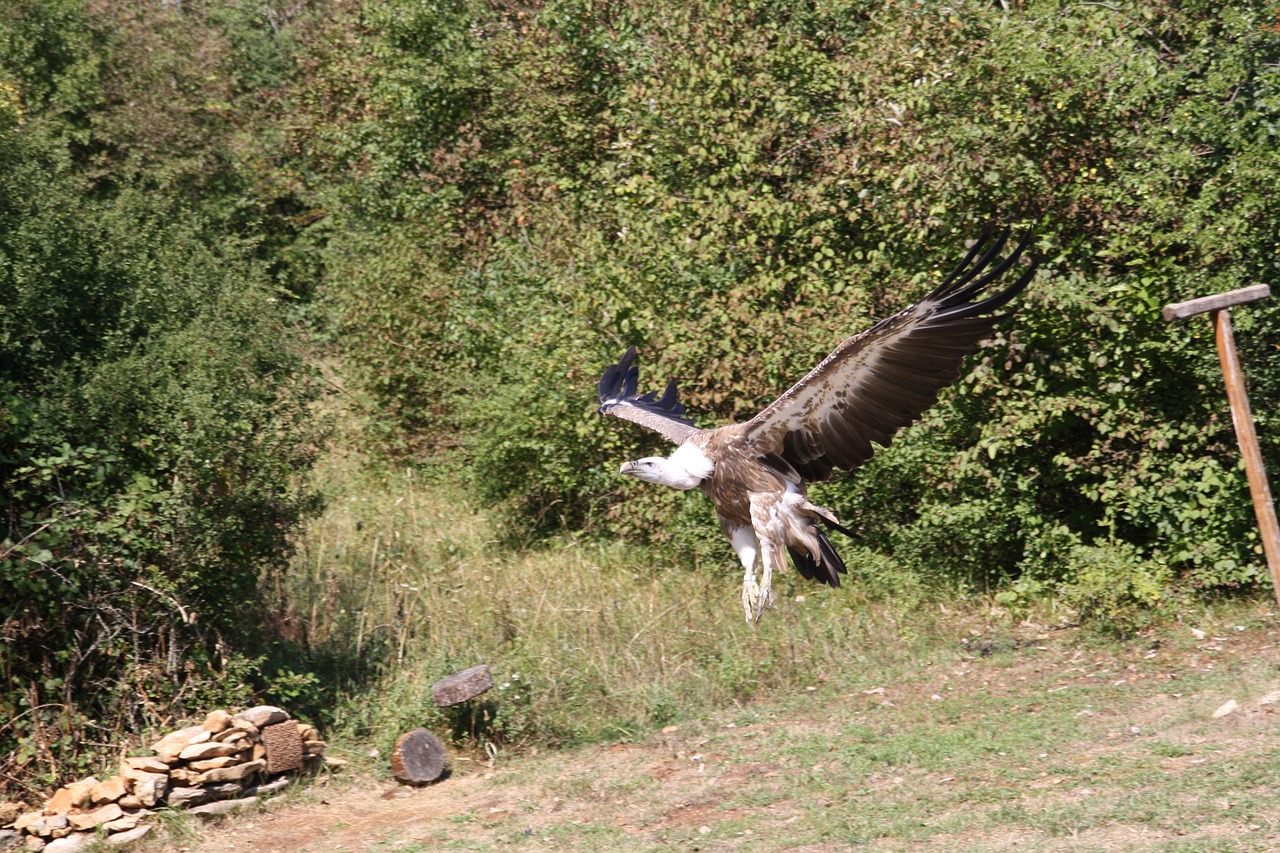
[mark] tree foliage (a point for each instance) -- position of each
(153, 402)
(735, 189)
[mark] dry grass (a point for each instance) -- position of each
(399, 584)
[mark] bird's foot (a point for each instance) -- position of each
(766, 591)
(751, 599)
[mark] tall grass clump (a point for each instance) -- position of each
(402, 582)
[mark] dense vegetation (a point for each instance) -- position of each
(471, 207)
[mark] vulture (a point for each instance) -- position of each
(868, 388)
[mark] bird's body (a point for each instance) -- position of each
(870, 386)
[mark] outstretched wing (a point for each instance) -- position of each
(661, 414)
(881, 380)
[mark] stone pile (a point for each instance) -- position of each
(224, 764)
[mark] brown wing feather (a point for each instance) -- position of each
(881, 380)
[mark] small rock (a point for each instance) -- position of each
(313, 747)
(130, 801)
(1270, 699)
(217, 721)
(1228, 707)
(45, 827)
(150, 788)
(22, 821)
(9, 813)
(183, 796)
(223, 807)
(35, 843)
(128, 837)
(334, 761)
(95, 818)
(263, 715)
(10, 839)
(109, 790)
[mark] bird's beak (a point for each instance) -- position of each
(627, 468)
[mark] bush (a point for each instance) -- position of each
(155, 421)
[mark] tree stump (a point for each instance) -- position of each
(418, 758)
(462, 686)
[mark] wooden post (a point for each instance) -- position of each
(1241, 416)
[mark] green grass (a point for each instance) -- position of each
(844, 719)
(400, 584)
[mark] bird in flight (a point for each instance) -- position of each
(869, 387)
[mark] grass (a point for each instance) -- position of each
(400, 583)
(845, 719)
(1059, 742)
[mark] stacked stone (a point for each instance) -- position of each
(226, 763)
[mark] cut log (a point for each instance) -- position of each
(462, 686)
(418, 758)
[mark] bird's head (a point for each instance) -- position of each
(684, 469)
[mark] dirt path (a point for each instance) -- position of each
(1041, 744)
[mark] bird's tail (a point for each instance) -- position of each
(824, 567)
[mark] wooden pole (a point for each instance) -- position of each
(1259, 490)
(1241, 416)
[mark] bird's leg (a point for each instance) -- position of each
(745, 545)
(767, 558)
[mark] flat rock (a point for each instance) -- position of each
(144, 764)
(48, 825)
(234, 773)
(123, 823)
(267, 789)
(224, 790)
(173, 743)
(263, 715)
(183, 796)
(223, 807)
(129, 836)
(109, 790)
(208, 749)
(215, 763)
(10, 839)
(75, 841)
(95, 818)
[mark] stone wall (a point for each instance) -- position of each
(224, 764)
